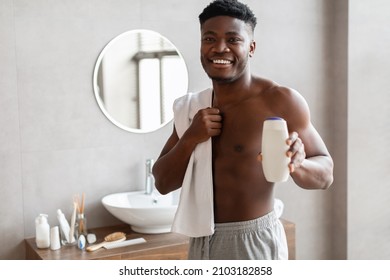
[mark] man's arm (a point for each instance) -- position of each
(170, 167)
(311, 165)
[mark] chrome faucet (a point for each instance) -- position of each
(149, 178)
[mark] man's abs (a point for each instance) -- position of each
(240, 191)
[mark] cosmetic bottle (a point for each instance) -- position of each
(55, 238)
(274, 150)
(42, 231)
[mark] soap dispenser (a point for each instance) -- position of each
(42, 231)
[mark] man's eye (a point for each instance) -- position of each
(234, 40)
(208, 39)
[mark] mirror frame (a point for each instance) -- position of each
(95, 82)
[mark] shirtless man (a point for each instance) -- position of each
(241, 102)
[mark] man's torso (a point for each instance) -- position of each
(240, 189)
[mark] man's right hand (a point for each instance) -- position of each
(205, 124)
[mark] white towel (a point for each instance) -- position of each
(195, 213)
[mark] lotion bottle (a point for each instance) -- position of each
(42, 231)
(274, 148)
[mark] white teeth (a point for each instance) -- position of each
(221, 61)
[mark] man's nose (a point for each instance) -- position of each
(221, 46)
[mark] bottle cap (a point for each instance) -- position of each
(274, 123)
(274, 119)
(42, 218)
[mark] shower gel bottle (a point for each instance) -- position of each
(274, 148)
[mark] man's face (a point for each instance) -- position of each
(226, 44)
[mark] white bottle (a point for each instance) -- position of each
(64, 226)
(55, 238)
(274, 148)
(42, 231)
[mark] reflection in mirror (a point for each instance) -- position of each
(137, 77)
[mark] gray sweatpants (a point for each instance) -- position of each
(259, 239)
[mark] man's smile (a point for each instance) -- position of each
(222, 61)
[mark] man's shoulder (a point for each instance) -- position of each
(272, 88)
(275, 90)
(281, 96)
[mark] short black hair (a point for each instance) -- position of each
(232, 8)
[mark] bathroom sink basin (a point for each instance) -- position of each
(145, 213)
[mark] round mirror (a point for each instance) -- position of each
(137, 77)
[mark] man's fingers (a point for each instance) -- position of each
(292, 138)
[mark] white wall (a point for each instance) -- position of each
(369, 130)
(55, 142)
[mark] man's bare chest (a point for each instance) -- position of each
(241, 132)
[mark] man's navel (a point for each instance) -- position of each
(238, 148)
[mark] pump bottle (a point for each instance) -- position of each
(42, 231)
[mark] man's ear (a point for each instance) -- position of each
(252, 48)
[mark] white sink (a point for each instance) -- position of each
(144, 213)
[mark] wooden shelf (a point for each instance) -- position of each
(165, 246)
(157, 246)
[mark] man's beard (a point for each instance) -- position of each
(223, 80)
(226, 79)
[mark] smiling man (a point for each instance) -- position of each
(229, 117)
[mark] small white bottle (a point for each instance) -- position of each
(42, 231)
(65, 228)
(55, 238)
(274, 148)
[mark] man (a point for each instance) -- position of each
(245, 225)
